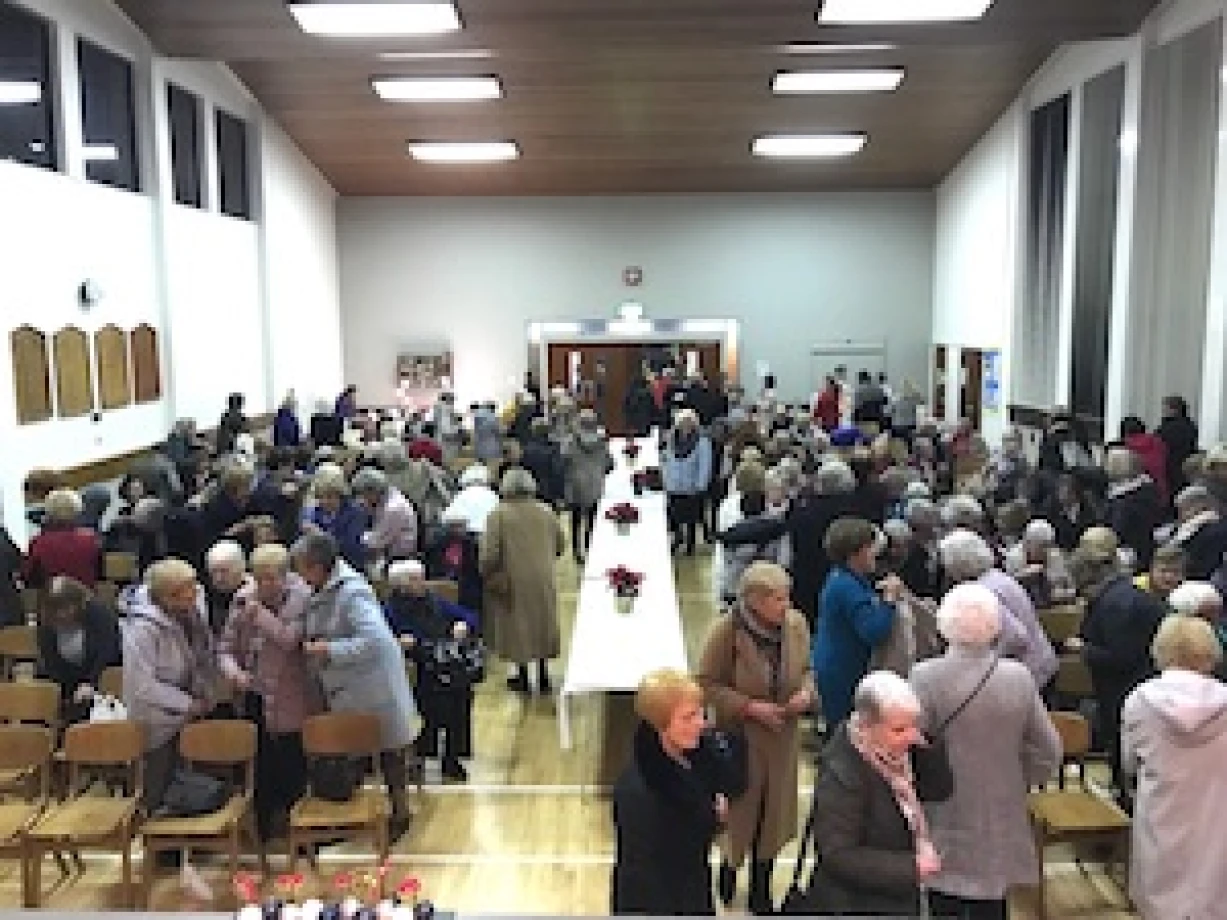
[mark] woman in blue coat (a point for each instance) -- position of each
(336, 513)
(852, 619)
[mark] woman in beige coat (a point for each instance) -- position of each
(756, 673)
(521, 541)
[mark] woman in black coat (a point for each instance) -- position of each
(1134, 507)
(667, 807)
(78, 638)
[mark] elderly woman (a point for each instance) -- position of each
(1200, 532)
(226, 568)
(78, 638)
(394, 522)
(475, 500)
(808, 519)
(335, 513)
(170, 667)
(1134, 508)
(686, 464)
(1114, 638)
(749, 530)
(1001, 742)
(453, 556)
(756, 672)
(667, 807)
(516, 557)
(586, 462)
(853, 621)
(238, 507)
(422, 483)
(873, 847)
(1174, 740)
(261, 655)
(1038, 564)
(967, 557)
(63, 547)
(964, 512)
(1201, 599)
(356, 659)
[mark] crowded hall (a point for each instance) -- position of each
(613, 457)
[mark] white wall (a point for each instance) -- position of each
(471, 274)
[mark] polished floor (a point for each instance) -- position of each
(530, 833)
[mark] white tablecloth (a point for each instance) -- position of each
(610, 651)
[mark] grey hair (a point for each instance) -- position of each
(370, 482)
(897, 530)
(330, 480)
(1196, 599)
(921, 512)
(881, 691)
(965, 555)
(1121, 463)
(238, 471)
(63, 506)
(316, 549)
(835, 477)
(969, 615)
(228, 554)
(1040, 533)
(963, 511)
(517, 482)
(1188, 643)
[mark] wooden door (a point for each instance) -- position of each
(971, 389)
(940, 382)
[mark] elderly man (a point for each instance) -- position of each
(1201, 532)
(1039, 565)
(437, 634)
(226, 567)
(356, 658)
(170, 667)
(261, 655)
(394, 530)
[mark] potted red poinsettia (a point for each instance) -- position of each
(623, 515)
(631, 452)
(625, 585)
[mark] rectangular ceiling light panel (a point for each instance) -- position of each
(808, 146)
(372, 20)
(867, 12)
(437, 89)
(479, 152)
(882, 80)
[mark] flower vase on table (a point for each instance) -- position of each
(625, 585)
(623, 516)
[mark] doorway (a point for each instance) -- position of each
(599, 374)
(971, 386)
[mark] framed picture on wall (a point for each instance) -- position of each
(422, 376)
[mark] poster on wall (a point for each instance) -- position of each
(992, 380)
(421, 377)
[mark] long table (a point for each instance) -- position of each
(611, 652)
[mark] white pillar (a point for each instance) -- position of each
(1214, 375)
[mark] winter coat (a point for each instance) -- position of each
(516, 556)
(1179, 434)
(762, 537)
(1119, 625)
(101, 645)
(809, 516)
(587, 461)
(423, 484)
(665, 821)
(1134, 510)
(267, 645)
(1174, 740)
(1152, 452)
(445, 663)
(487, 436)
(455, 559)
(348, 527)
(852, 622)
(1022, 637)
(394, 529)
(287, 430)
(733, 671)
(639, 409)
(169, 664)
(1204, 539)
(73, 551)
(686, 464)
(543, 460)
(1000, 745)
(364, 670)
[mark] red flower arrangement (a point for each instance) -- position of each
(630, 451)
(624, 582)
(623, 514)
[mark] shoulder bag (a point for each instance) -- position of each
(931, 763)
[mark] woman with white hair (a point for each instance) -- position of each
(1133, 508)
(1174, 741)
(475, 500)
(394, 520)
(1039, 565)
(1000, 741)
(811, 514)
(517, 555)
(63, 547)
(336, 513)
(1201, 531)
(686, 465)
(967, 557)
(874, 851)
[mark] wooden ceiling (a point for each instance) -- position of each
(620, 96)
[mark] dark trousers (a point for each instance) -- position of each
(947, 905)
(685, 512)
(582, 522)
(448, 711)
(160, 764)
(281, 778)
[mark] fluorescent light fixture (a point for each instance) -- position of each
(804, 48)
(100, 153)
(808, 146)
(462, 54)
(467, 152)
(705, 326)
(20, 92)
(561, 328)
(437, 89)
(837, 81)
(371, 20)
(860, 12)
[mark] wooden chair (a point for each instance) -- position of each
(25, 750)
(17, 643)
(1078, 816)
(86, 820)
(218, 745)
(1061, 623)
(1073, 680)
(111, 682)
(121, 568)
(31, 603)
(341, 734)
(32, 702)
(444, 588)
(108, 593)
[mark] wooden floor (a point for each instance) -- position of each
(530, 833)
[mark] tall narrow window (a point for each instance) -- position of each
(233, 166)
(27, 104)
(108, 112)
(183, 110)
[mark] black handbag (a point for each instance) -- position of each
(816, 897)
(335, 779)
(931, 761)
(731, 760)
(191, 794)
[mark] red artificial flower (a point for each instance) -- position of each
(631, 450)
(623, 580)
(623, 513)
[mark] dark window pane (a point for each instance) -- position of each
(184, 115)
(232, 165)
(108, 118)
(27, 104)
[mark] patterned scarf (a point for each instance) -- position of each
(896, 772)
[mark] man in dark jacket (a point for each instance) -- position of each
(808, 519)
(543, 459)
(1179, 433)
